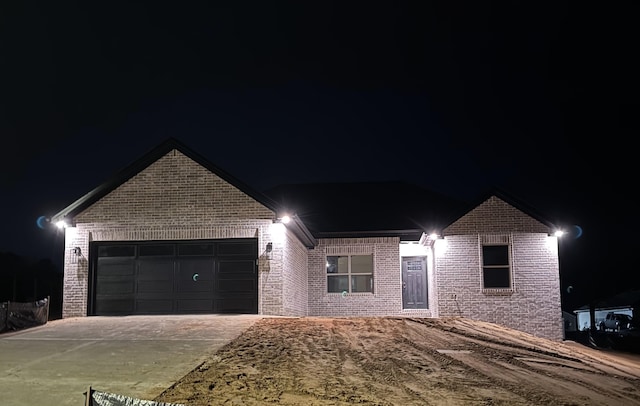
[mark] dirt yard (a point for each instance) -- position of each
(405, 361)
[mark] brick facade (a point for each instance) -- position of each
(533, 302)
(173, 199)
(176, 198)
(283, 275)
(386, 298)
(295, 292)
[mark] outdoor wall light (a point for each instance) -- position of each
(428, 239)
(268, 250)
(282, 220)
(77, 251)
(64, 223)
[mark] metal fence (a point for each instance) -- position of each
(98, 398)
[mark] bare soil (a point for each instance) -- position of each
(405, 361)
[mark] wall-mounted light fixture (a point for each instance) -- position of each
(429, 239)
(268, 250)
(77, 251)
(284, 219)
(63, 223)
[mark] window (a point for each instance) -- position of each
(155, 250)
(117, 251)
(195, 249)
(496, 271)
(350, 273)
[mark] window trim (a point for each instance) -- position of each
(497, 240)
(349, 274)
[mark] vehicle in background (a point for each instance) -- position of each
(615, 322)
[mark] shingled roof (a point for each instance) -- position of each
(367, 208)
(322, 210)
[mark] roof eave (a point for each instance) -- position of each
(302, 232)
(413, 234)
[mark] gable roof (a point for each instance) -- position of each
(142, 163)
(508, 198)
(152, 156)
(326, 210)
(366, 209)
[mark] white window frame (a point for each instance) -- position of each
(341, 252)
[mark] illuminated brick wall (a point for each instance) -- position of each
(173, 199)
(177, 199)
(533, 303)
(386, 299)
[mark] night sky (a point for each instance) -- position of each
(452, 96)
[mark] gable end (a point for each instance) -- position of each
(144, 162)
(496, 216)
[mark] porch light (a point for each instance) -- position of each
(282, 220)
(62, 224)
(558, 233)
(429, 239)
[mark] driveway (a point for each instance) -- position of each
(136, 356)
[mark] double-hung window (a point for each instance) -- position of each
(350, 273)
(496, 268)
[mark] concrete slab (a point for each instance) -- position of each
(136, 356)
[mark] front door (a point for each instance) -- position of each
(414, 283)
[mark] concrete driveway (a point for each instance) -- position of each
(136, 356)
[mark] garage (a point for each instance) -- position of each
(173, 277)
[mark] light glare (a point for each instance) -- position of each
(277, 231)
(440, 247)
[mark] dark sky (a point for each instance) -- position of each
(457, 97)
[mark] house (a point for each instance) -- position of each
(626, 302)
(172, 233)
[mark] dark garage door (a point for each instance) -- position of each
(217, 276)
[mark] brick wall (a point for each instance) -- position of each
(387, 296)
(295, 292)
(76, 273)
(173, 199)
(533, 303)
(495, 216)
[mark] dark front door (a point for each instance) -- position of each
(414, 283)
